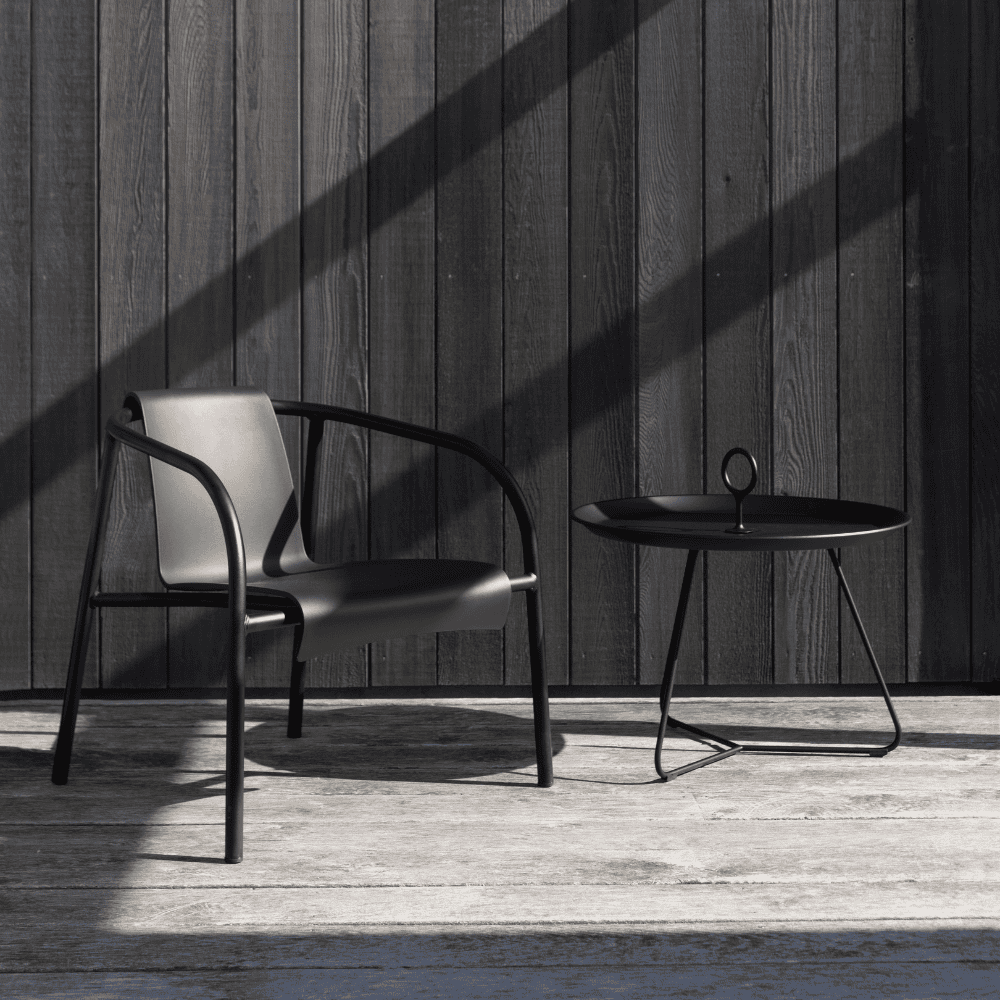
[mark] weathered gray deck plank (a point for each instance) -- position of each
(617, 850)
(740, 982)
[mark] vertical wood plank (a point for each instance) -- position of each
(132, 300)
(469, 306)
(267, 345)
(804, 339)
(870, 108)
(200, 258)
(536, 314)
(401, 302)
(15, 342)
(335, 294)
(602, 333)
(670, 314)
(64, 334)
(937, 339)
(984, 306)
(737, 321)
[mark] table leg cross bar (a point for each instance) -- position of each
(733, 748)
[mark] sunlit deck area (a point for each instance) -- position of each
(402, 849)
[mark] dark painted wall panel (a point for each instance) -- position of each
(804, 324)
(199, 259)
(737, 321)
(268, 309)
(402, 299)
(669, 286)
(132, 299)
(937, 339)
(984, 305)
(15, 342)
(870, 281)
(536, 313)
(63, 325)
(469, 361)
(602, 336)
(335, 286)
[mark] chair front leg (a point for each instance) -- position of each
(235, 747)
(539, 689)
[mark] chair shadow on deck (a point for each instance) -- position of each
(418, 743)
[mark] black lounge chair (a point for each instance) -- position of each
(229, 535)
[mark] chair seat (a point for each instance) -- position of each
(357, 603)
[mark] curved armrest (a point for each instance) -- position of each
(318, 414)
(221, 500)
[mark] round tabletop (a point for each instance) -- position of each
(706, 521)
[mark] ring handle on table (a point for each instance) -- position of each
(739, 495)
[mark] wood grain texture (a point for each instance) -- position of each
(870, 281)
(350, 865)
(335, 295)
(401, 300)
(937, 339)
(15, 342)
(200, 258)
(536, 317)
(470, 386)
(737, 321)
(268, 342)
(132, 305)
(64, 325)
(804, 324)
(669, 354)
(602, 337)
(984, 305)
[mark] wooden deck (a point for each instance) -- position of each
(401, 849)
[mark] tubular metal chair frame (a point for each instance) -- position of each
(255, 613)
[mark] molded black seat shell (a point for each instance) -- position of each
(235, 432)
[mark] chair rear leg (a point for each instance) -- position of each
(296, 697)
(74, 682)
(84, 615)
(539, 689)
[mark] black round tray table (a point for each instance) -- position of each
(758, 523)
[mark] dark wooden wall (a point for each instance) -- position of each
(608, 241)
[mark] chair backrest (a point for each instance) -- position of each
(235, 433)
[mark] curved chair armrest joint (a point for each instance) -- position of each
(220, 500)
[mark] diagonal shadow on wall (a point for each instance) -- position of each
(866, 169)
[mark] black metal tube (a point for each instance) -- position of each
(868, 649)
(539, 689)
(296, 692)
(313, 440)
(441, 439)
(670, 669)
(236, 557)
(84, 614)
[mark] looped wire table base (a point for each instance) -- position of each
(732, 748)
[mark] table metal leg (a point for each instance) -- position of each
(670, 669)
